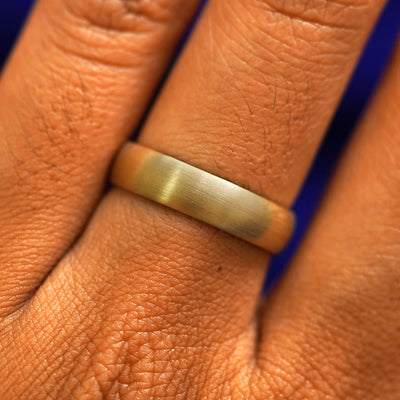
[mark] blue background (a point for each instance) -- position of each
(366, 76)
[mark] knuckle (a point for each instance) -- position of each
(322, 13)
(122, 15)
(303, 34)
(107, 31)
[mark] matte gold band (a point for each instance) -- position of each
(203, 196)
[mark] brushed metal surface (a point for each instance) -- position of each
(203, 196)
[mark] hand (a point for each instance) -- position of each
(115, 297)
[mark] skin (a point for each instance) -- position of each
(115, 297)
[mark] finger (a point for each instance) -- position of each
(342, 291)
(74, 89)
(250, 95)
(177, 292)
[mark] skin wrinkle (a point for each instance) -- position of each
(174, 289)
(318, 13)
(65, 92)
(88, 36)
(113, 370)
(17, 165)
(289, 53)
(87, 352)
(43, 124)
(67, 100)
(43, 146)
(307, 375)
(24, 167)
(123, 62)
(288, 44)
(122, 16)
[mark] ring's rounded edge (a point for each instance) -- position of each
(280, 229)
(126, 165)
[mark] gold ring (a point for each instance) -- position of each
(203, 196)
